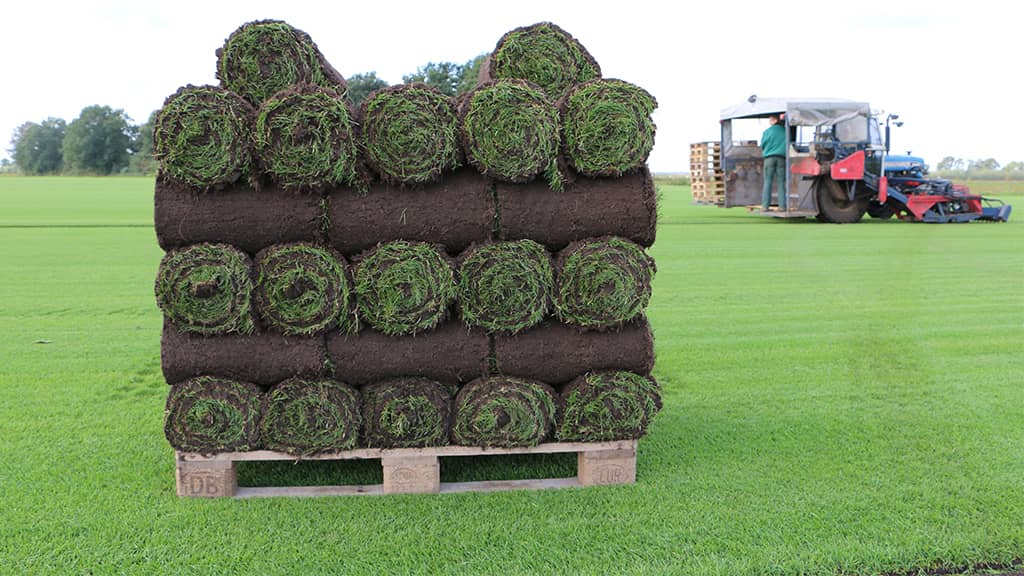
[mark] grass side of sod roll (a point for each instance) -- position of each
(210, 415)
(602, 282)
(305, 417)
(306, 138)
(406, 413)
(505, 286)
(410, 133)
(510, 131)
(207, 289)
(404, 287)
(607, 127)
(503, 411)
(607, 405)
(546, 55)
(304, 289)
(838, 400)
(203, 136)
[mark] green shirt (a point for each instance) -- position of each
(773, 141)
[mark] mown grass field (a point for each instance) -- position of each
(838, 400)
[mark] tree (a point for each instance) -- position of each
(362, 85)
(986, 164)
(142, 160)
(444, 76)
(99, 141)
(1015, 166)
(470, 74)
(949, 164)
(37, 148)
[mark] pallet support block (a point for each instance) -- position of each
(602, 467)
(411, 474)
(206, 478)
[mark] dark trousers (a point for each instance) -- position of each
(774, 170)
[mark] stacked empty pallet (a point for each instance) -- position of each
(418, 278)
(706, 177)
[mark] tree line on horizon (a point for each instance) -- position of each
(104, 140)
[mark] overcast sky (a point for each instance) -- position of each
(952, 73)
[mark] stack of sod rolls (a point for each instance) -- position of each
(418, 271)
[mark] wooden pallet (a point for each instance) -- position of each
(706, 178)
(407, 470)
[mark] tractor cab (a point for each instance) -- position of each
(820, 132)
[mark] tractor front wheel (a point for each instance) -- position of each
(834, 204)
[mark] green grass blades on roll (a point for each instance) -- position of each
(206, 289)
(304, 289)
(510, 131)
(607, 127)
(503, 411)
(305, 138)
(410, 133)
(404, 287)
(505, 286)
(602, 282)
(305, 417)
(203, 136)
(607, 405)
(406, 413)
(263, 57)
(546, 55)
(210, 415)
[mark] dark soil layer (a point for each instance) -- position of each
(246, 218)
(607, 405)
(406, 413)
(556, 353)
(624, 207)
(265, 56)
(203, 136)
(454, 213)
(264, 359)
(503, 411)
(305, 417)
(450, 353)
(210, 415)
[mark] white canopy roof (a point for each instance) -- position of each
(810, 111)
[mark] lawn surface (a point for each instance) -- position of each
(838, 400)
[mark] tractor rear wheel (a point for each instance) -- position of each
(834, 204)
(880, 211)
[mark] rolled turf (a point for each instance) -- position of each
(410, 133)
(509, 130)
(206, 289)
(304, 289)
(556, 353)
(589, 207)
(602, 282)
(404, 287)
(306, 417)
(505, 286)
(607, 127)
(264, 359)
(245, 217)
(208, 415)
(544, 54)
(450, 353)
(607, 405)
(306, 138)
(263, 57)
(503, 411)
(202, 136)
(455, 212)
(406, 413)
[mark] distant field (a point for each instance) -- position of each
(838, 400)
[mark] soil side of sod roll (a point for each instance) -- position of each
(455, 212)
(240, 215)
(556, 353)
(590, 207)
(264, 359)
(449, 353)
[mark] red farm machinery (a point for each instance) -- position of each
(838, 167)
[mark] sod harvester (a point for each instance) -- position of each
(838, 167)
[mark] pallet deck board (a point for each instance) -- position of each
(406, 470)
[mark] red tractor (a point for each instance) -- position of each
(838, 167)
